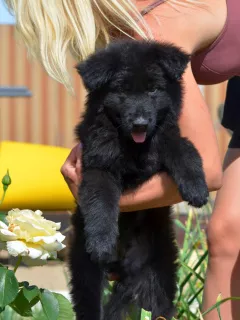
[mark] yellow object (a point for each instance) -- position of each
(36, 179)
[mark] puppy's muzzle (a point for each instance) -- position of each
(139, 130)
(140, 125)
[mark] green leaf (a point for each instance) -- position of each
(37, 311)
(134, 312)
(8, 287)
(3, 217)
(31, 292)
(180, 225)
(7, 314)
(10, 314)
(49, 304)
(145, 315)
(47, 308)
(187, 231)
(192, 271)
(216, 305)
(195, 267)
(65, 307)
(21, 305)
(219, 313)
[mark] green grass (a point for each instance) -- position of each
(193, 264)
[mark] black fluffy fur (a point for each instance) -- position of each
(126, 82)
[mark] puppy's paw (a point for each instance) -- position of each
(101, 253)
(135, 259)
(195, 192)
(102, 249)
(130, 266)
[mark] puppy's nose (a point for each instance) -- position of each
(140, 124)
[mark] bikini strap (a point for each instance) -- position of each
(151, 7)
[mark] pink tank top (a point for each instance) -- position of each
(220, 61)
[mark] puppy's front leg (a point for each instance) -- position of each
(184, 164)
(99, 196)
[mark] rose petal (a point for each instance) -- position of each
(6, 235)
(49, 239)
(17, 248)
(3, 225)
(38, 212)
(59, 237)
(56, 246)
(35, 253)
(45, 256)
(31, 227)
(58, 225)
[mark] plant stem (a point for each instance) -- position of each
(19, 260)
(3, 196)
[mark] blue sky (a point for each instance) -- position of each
(5, 16)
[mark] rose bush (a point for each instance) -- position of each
(26, 234)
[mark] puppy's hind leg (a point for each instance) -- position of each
(86, 276)
(164, 269)
(116, 308)
(152, 295)
(156, 287)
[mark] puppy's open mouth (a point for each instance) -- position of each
(139, 135)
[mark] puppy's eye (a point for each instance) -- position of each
(153, 92)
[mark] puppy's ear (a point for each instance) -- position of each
(96, 71)
(173, 60)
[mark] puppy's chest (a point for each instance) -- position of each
(138, 166)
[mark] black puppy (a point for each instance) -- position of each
(130, 133)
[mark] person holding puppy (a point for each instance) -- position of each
(206, 29)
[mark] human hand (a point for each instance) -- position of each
(71, 170)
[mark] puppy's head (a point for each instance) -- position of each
(136, 84)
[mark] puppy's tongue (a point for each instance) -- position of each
(139, 137)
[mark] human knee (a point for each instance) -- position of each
(223, 236)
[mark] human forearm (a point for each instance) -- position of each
(160, 191)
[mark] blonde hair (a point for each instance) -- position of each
(52, 28)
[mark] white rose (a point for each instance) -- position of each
(30, 235)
